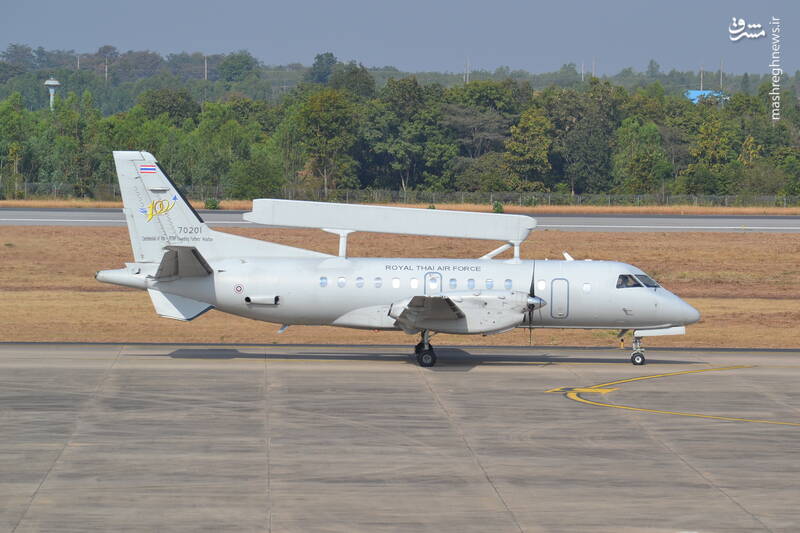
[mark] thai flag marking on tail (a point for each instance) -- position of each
(147, 169)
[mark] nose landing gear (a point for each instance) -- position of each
(426, 357)
(637, 356)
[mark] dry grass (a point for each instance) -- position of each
(746, 285)
(79, 203)
(246, 205)
(73, 203)
(616, 210)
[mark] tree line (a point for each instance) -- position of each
(116, 78)
(341, 126)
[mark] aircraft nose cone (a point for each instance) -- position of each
(689, 313)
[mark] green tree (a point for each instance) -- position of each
(485, 94)
(178, 104)
(322, 68)
(327, 124)
(790, 165)
(528, 147)
(476, 130)
(132, 66)
(489, 173)
(713, 145)
(237, 66)
(261, 175)
(353, 77)
(19, 55)
(640, 164)
(404, 97)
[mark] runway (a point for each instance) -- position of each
(610, 223)
(109, 437)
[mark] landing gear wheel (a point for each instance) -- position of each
(637, 358)
(426, 358)
(418, 348)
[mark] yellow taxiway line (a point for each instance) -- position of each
(574, 393)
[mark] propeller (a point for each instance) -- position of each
(531, 308)
(534, 303)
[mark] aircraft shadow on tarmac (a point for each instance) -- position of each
(450, 359)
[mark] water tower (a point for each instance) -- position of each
(52, 84)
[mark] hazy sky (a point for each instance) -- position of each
(419, 35)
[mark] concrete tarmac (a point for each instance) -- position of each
(609, 223)
(358, 438)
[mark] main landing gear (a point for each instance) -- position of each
(637, 356)
(426, 357)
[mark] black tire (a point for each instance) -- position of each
(418, 348)
(426, 358)
(637, 358)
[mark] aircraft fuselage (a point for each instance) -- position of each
(353, 292)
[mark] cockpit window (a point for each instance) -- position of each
(625, 281)
(647, 280)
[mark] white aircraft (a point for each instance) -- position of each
(189, 269)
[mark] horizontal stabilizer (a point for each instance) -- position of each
(182, 262)
(177, 307)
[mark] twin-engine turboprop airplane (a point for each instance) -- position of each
(188, 269)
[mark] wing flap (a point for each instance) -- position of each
(435, 308)
(419, 310)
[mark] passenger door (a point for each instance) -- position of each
(559, 298)
(433, 284)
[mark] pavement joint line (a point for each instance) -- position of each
(475, 458)
(703, 475)
(574, 393)
(267, 444)
(68, 441)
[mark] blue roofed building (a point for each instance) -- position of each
(695, 96)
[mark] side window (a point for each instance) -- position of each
(359, 282)
(378, 282)
(647, 280)
(626, 281)
(395, 283)
(508, 284)
(453, 283)
(323, 281)
(489, 283)
(470, 283)
(414, 283)
(341, 282)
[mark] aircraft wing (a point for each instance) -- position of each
(425, 310)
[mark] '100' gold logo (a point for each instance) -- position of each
(158, 207)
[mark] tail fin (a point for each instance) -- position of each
(158, 215)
